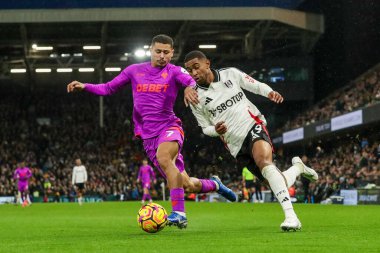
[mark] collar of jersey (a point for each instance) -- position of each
(216, 79)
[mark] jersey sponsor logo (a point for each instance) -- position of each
(208, 100)
(227, 104)
(228, 84)
(151, 87)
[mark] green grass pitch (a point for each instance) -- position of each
(213, 227)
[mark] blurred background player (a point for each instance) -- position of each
(248, 183)
(225, 111)
(155, 86)
(146, 176)
(22, 175)
(79, 178)
(258, 193)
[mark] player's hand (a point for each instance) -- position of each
(190, 96)
(75, 86)
(275, 97)
(154, 181)
(220, 128)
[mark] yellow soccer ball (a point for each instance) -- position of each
(152, 218)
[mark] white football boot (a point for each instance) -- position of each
(291, 224)
(308, 173)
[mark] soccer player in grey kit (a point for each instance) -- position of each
(155, 86)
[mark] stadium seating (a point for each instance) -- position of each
(363, 92)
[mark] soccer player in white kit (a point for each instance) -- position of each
(224, 110)
(79, 178)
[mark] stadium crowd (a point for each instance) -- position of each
(348, 164)
(362, 93)
(49, 129)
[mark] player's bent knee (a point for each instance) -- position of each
(261, 163)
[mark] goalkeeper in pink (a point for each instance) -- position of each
(22, 175)
(146, 176)
(155, 86)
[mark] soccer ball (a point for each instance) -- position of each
(152, 218)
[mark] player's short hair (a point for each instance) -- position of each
(195, 54)
(162, 38)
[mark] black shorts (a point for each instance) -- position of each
(80, 186)
(244, 157)
(249, 184)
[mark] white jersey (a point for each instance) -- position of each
(79, 175)
(224, 100)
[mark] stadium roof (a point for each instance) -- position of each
(238, 32)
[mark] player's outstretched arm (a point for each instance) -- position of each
(190, 96)
(250, 84)
(275, 97)
(75, 86)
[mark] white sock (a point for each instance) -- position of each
(278, 186)
(181, 213)
(216, 185)
(291, 174)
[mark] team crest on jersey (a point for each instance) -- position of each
(228, 84)
(164, 75)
